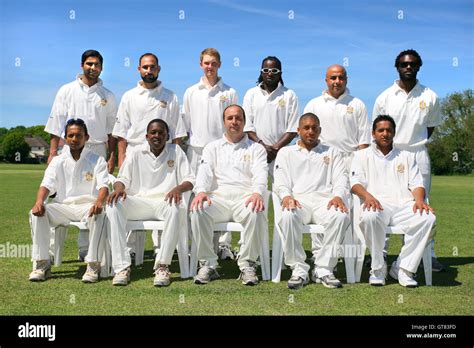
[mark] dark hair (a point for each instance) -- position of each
(381, 118)
(75, 122)
(309, 115)
(92, 53)
(158, 120)
(410, 52)
(278, 64)
(147, 54)
(241, 108)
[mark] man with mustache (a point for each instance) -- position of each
(88, 99)
(416, 111)
(147, 101)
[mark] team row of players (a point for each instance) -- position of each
(310, 178)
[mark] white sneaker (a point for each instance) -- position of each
(122, 277)
(405, 278)
(225, 253)
(42, 271)
(248, 275)
(92, 273)
(394, 270)
(205, 275)
(377, 277)
(162, 276)
(297, 282)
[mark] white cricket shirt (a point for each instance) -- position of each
(95, 105)
(203, 109)
(320, 170)
(76, 181)
(145, 175)
(412, 112)
(233, 166)
(344, 121)
(391, 177)
(140, 105)
(271, 115)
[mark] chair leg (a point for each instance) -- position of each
(348, 257)
(139, 247)
(428, 268)
(60, 234)
(193, 262)
(265, 258)
(183, 256)
(277, 254)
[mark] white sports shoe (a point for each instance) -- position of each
(162, 276)
(225, 253)
(42, 271)
(248, 275)
(122, 277)
(92, 273)
(377, 277)
(405, 278)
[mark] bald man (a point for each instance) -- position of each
(343, 119)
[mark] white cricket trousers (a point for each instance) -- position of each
(417, 230)
(228, 206)
(62, 214)
(314, 211)
(140, 208)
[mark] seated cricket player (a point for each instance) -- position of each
(230, 185)
(311, 181)
(149, 186)
(389, 183)
(80, 180)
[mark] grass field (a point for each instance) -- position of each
(65, 294)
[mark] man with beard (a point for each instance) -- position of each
(311, 182)
(147, 101)
(88, 99)
(415, 109)
(150, 185)
(203, 105)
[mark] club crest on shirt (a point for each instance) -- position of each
(170, 163)
(422, 105)
(163, 104)
(282, 102)
(350, 109)
(88, 176)
(103, 102)
(246, 157)
(223, 98)
(400, 168)
(326, 160)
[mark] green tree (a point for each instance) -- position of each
(452, 147)
(15, 148)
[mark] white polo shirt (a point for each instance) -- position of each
(271, 115)
(95, 105)
(145, 175)
(76, 182)
(390, 177)
(412, 112)
(231, 166)
(203, 109)
(320, 170)
(140, 105)
(344, 121)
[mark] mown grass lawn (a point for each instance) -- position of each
(65, 294)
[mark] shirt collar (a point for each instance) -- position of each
(379, 153)
(67, 151)
(225, 141)
(86, 87)
(328, 97)
(264, 92)
(219, 85)
(145, 147)
(398, 89)
(156, 90)
(302, 148)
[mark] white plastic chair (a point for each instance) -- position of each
(359, 239)
(237, 227)
(277, 249)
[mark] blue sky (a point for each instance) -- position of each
(47, 38)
